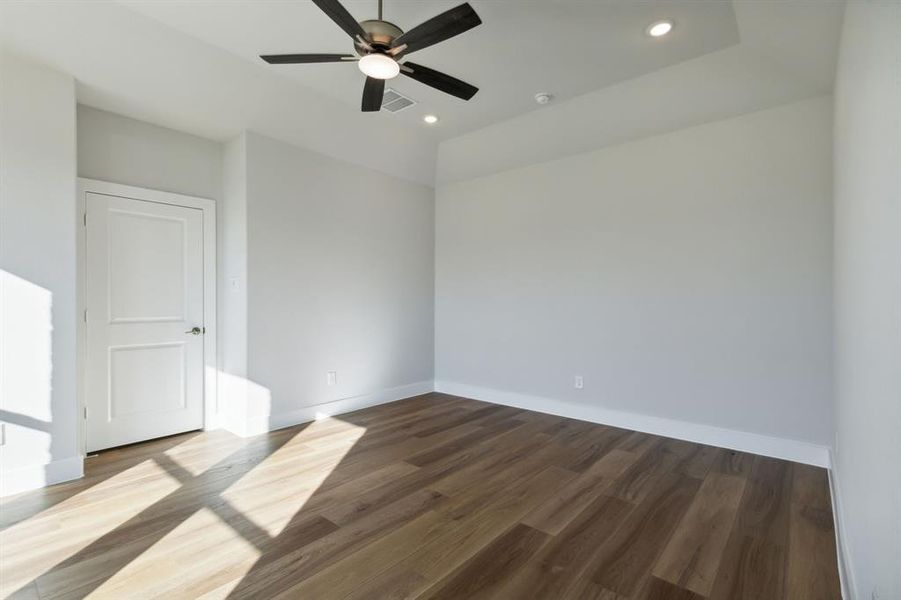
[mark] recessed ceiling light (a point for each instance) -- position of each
(660, 28)
(543, 97)
(430, 119)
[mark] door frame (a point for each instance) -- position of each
(210, 368)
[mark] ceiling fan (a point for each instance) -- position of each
(380, 45)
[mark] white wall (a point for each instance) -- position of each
(37, 276)
(123, 150)
(232, 236)
(332, 266)
(233, 385)
(868, 297)
(685, 276)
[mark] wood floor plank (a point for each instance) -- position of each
(561, 567)
(586, 589)
(811, 552)
(640, 478)
(435, 496)
(473, 524)
(764, 510)
(752, 568)
(277, 571)
(507, 457)
(524, 454)
(733, 462)
(501, 483)
(506, 413)
(691, 558)
(567, 503)
(460, 420)
(590, 447)
(354, 508)
(626, 557)
(487, 571)
(485, 432)
(584, 457)
(699, 461)
(658, 589)
(354, 571)
(639, 442)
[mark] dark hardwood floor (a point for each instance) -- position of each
(430, 497)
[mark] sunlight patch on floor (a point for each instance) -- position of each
(200, 555)
(198, 454)
(278, 488)
(77, 522)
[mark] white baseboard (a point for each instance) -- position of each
(794, 450)
(33, 477)
(258, 424)
(845, 572)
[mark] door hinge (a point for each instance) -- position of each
(85, 413)
(85, 219)
(85, 315)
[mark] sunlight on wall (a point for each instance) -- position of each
(180, 563)
(25, 371)
(73, 533)
(244, 405)
(276, 489)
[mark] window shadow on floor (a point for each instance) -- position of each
(312, 469)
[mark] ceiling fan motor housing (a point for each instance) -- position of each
(380, 34)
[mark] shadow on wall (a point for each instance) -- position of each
(26, 371)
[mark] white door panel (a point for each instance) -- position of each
(144, 292)
(157, 244)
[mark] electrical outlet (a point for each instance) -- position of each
(332, 378)
(578, 382)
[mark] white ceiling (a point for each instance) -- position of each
(787, 53)
(565, 47)
(192, 65)
(127, 63)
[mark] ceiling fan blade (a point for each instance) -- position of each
(373, 90)
(437, 29)
(439, 81)
(292, 59)
(339, 15)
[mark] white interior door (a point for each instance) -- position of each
(144, 331)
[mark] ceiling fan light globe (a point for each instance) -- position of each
(379, 66)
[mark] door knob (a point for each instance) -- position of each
(195, 331)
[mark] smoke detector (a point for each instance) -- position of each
(543, 97)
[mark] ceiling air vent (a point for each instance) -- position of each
(394, 101)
